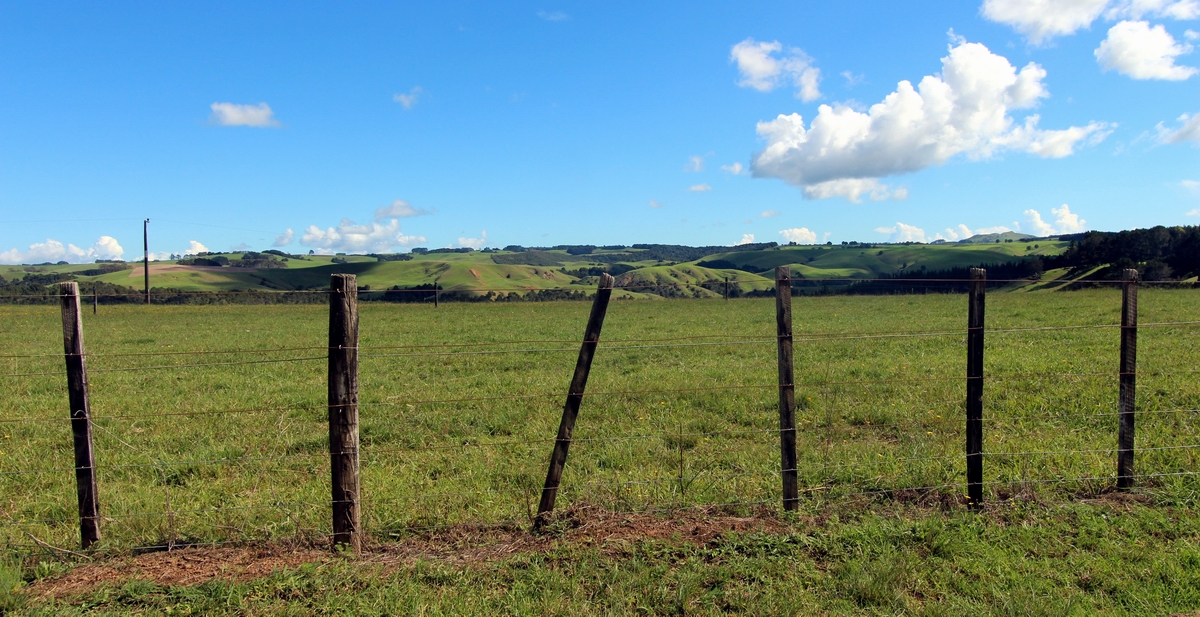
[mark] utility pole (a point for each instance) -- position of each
(146, 259)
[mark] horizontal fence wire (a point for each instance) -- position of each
(815, 420)
(284, 505)
(617, 343)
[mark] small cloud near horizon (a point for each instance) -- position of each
(400, 209)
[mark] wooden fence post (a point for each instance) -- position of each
(727, 288)
(146, 256)
(591, 337)
(787, 387)
(95, 299)
(975, 387)
(1128, 379)
(343, 409)
(81, 415)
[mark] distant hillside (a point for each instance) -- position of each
(1005, 236)
(641, 270)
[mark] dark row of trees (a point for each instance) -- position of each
(1159, 253)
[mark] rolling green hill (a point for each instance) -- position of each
(641, 272)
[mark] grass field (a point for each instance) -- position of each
(460, 405)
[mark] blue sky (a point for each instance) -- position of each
(383, 126)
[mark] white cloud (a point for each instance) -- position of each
(1065, 222)
(1135, 49)
(1038, 227)
(746, 239)
(401, 209)
(1166, 9)
(699, 188)
(1194, 212)
(853, 189)
(766, 214)
(410, 98)
(965, 110)
(694, 164)
(761, 70)
(195, 248)
(1191, 35)
(232, 114)
(1189, 131)
(1192, 186)
(735, 169)
(1041, 20)
(285, 238)
(106, 247)
(959, 232)
(475, 243)
(1068, 222)
(903, 233)
(799, 235)
(656, 204)
(54, 251)
(998, 229)
(350, 237)
(852, 79)
(553, 15)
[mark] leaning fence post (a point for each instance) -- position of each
(787, 389)
(81, 415)
(343, 409)
(975, 387)
(591, 337)
(1128, 379)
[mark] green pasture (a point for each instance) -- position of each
(858, 261)
(218, 433)
(477, 272)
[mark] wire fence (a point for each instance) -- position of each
(458, 433)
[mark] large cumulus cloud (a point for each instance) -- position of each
(963, 111)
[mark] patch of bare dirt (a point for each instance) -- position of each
(180, 567)
(474, 273)
(460, 545)
(139, 271)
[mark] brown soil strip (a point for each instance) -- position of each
(460, 545)
(138, 271)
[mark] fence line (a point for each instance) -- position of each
(344, 438)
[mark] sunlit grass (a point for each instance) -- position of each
(452, 435)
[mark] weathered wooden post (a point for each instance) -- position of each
(81, 414)
(343, 410)
(787, 389)
(591, 337)
(146, 255)
(975, 387)
(1128, 379)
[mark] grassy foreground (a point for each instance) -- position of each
(446, 442)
